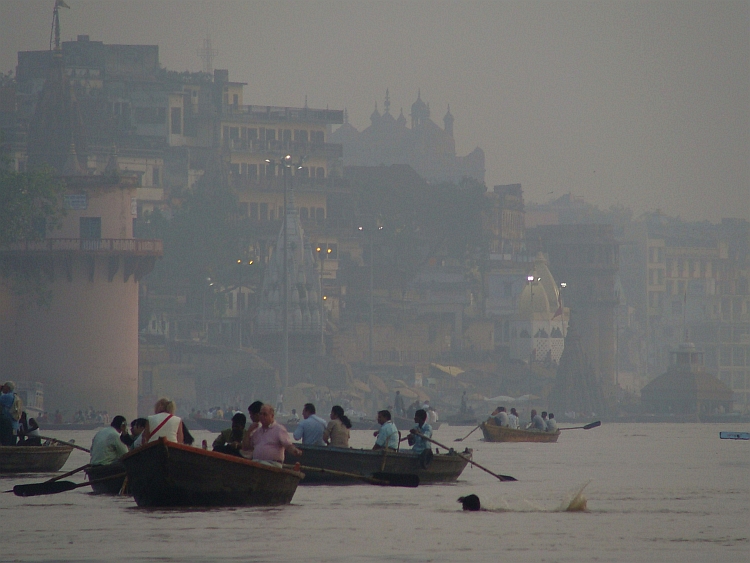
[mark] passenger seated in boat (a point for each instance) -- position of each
(418, 443)
(269, 442)
(544, 418)
(387, 436)
(337, 432)
(164, 423)
(513, 418)
(500, 417)
(136, 432)
(311, 427)
(254, 411)
(30, 436)
(106, 447)
(229, 441)
(551, 423)
(536, 422)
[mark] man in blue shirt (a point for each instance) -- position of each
(418, 443)
(387, 436)
(311, 427)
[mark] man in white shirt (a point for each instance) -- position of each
(106, 447)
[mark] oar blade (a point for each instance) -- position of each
(397, 479)
(592, 425)
(48, 488)
(506, 478)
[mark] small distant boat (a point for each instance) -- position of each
(33, 459)
(212, 424)
(438, 468)
(734, 435)
(106, 479)
(163, 474)
(495, 433)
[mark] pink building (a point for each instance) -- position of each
(84, 346)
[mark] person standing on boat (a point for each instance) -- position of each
(164, 423)
(387, 436)
(269, 442)
(337, 432)
(536, 422)
(229, 441)
(398, 404)
(8, 424)
(416, 441)
(501, 417)
(513, 418)
(551, 423)
(311, 427)
(106, 447)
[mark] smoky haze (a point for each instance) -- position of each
(642, 104)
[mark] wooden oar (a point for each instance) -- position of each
(66, 443)
(501, 477)
(68, 474)
(380, 478)
(469, 434)
(589, 426)
(54, 487)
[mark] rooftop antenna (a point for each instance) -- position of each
(207, 54)
(55, 31)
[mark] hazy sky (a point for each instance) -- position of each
(645, 104)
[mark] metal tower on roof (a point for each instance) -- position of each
(207, 54)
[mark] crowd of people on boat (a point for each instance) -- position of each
(543, 423)
(263, 440)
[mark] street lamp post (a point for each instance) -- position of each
(322, 255)
(372, 260)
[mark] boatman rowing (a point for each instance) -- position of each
(419, 432)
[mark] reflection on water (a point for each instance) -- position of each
(653, 492)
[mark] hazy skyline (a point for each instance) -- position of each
(642, 104)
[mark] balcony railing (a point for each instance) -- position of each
(256, 146)
(142, 247)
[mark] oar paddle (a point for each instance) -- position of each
(380, 478)
(501, 477)
(68, 474)
(54, 487)
(469, 434)
(66, 443)
(589, 426)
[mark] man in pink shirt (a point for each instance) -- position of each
(268, 442)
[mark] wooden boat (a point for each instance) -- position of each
(495, 433)
(163, 473)
(441, 468)
(33, 459)
(104, 478)
(734, 435)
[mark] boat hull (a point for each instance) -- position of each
(164, 474)
(103, 480)
(33, 459)
(442, 468)
(494, 433)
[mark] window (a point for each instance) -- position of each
(334, 250)
(147, 382)
(252, 134)
(303, 213)
(234, 132)
(287, 138)
(320, 172)
(300, 135)
(235, 100)
(252, 171)
(264, 212)
(254, 211)
(91, 228)
(155, 180)
(317, 137)
(320, 213)
(176, 121)
(270, 134)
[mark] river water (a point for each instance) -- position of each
(655, 492)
